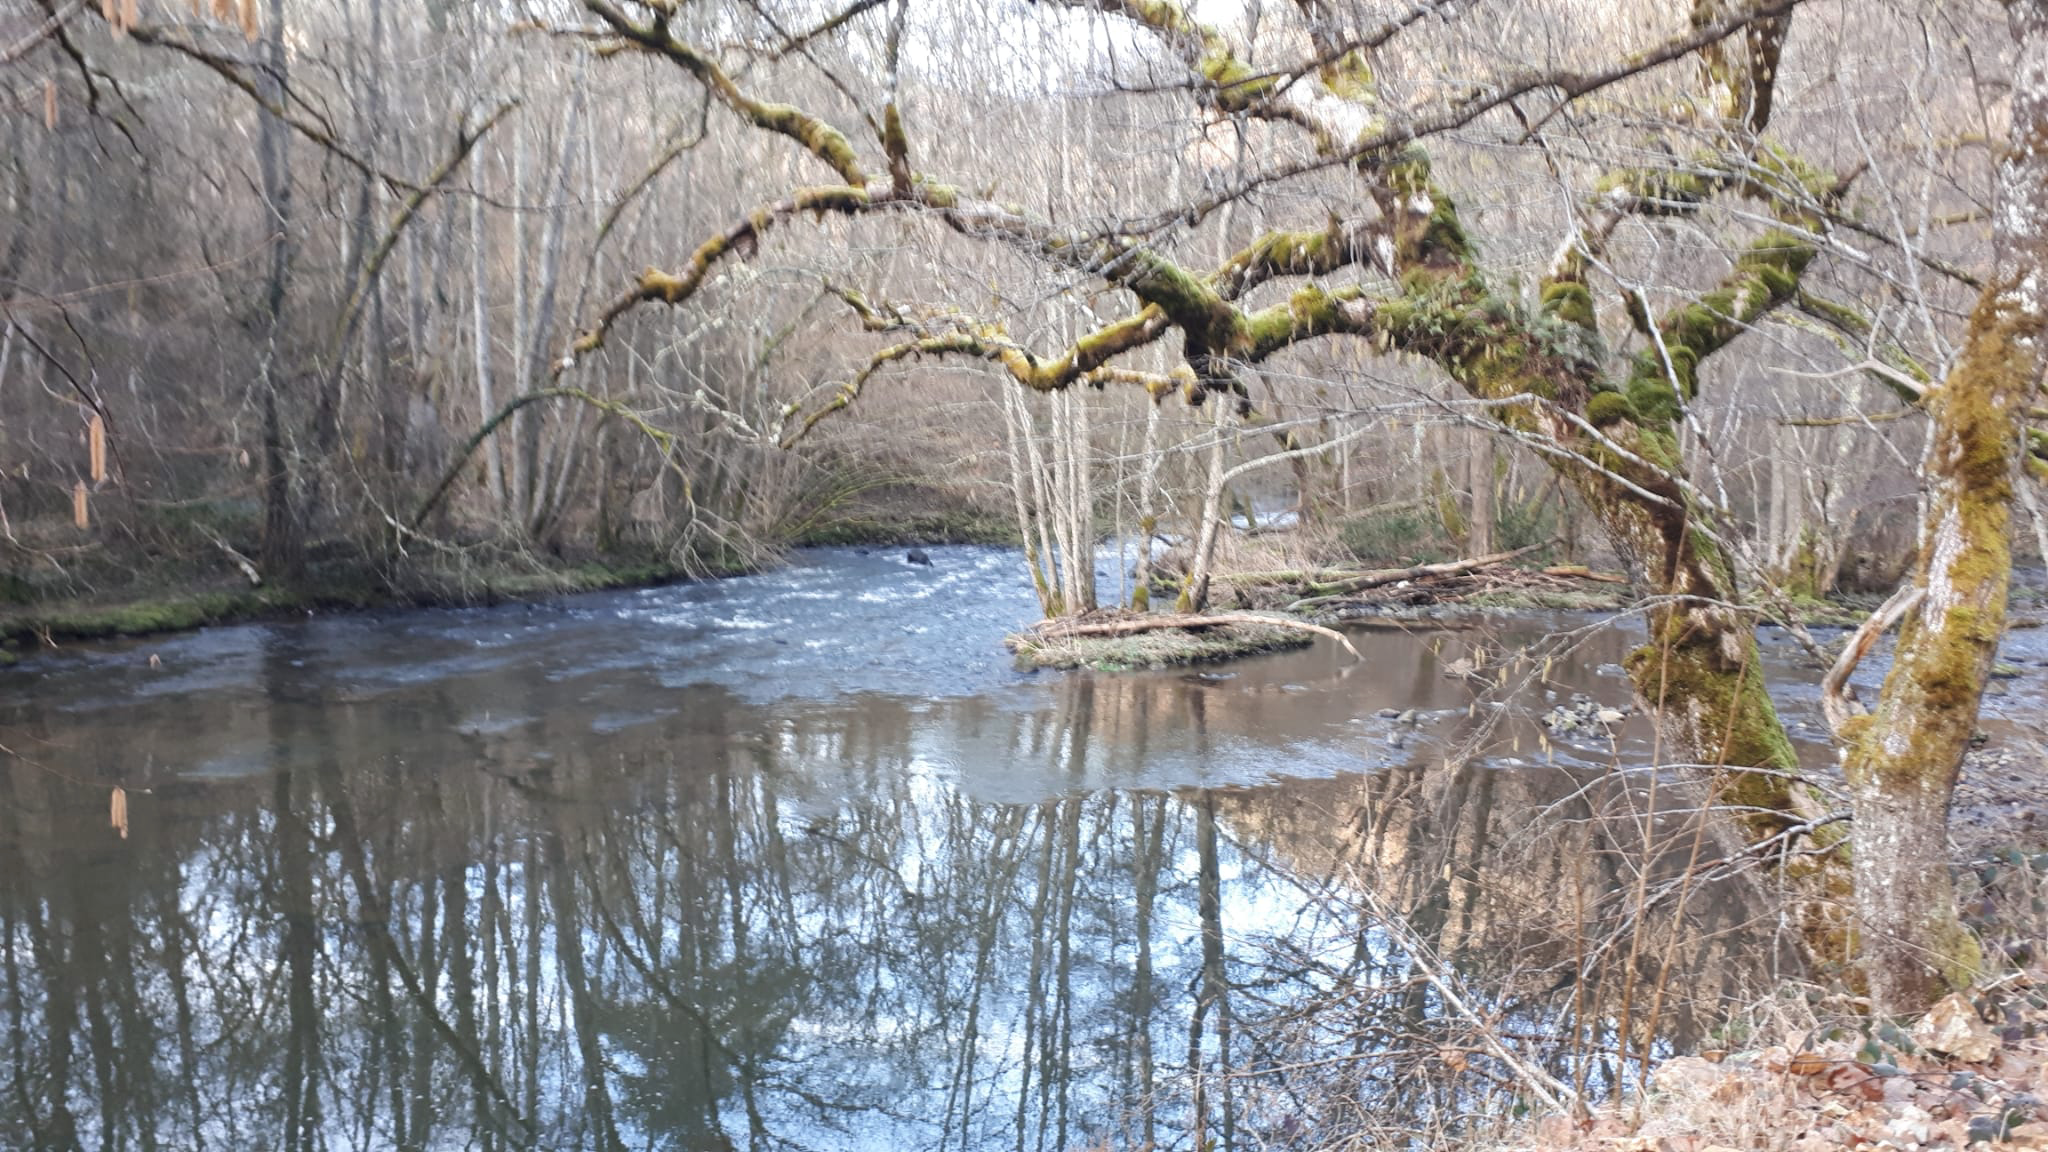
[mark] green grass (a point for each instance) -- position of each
(186, 609)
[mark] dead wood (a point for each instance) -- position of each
(1131, 625)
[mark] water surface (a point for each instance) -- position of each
(801, 860)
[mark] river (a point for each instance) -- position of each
(801, 860)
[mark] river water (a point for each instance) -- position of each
(801, 860)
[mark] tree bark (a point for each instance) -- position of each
(1479, 540)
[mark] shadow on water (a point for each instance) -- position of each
(801, 861)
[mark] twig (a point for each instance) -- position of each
(42, 32)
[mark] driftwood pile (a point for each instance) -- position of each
(1327, 590)
(1127, 625)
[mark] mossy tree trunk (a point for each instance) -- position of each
(1903, 761)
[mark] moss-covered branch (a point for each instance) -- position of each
(1301, 252)
(816, 136)
(1665, 375)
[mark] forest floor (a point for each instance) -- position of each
(1971, 1074)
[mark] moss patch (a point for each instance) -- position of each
(342, 590)
(144, 617)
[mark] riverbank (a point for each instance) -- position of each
(483, 574)
(180, 609)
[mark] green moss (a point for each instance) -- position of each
(1408, 172)
(894, 141)
(1237, 88)
(1300, 252)
(1444, 234)
(1349, 77)
(831, 198)
(1727, 710)
(1208, 320)
(1778, 250)
(819, 138)
(1666, 191)
(1572, 302)
(140, 617)
(1606, 408)
(1309, 311)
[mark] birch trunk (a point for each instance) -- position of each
(1195, 595)
(1148, 515)
(494, 452)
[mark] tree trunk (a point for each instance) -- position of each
(494, 453)
(1195, 596)
(532, 491)
(1700, 674)
(1479, 538)
(1015, 429)
(1148, 515)
(1902, 763)
(282, 552)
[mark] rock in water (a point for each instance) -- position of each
(918, 556)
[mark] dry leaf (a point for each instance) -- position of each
(1808, 1064)
(1952, 1028)
(251, 22)
(131, 14)
(81, 507)
(96, 439)
(50, 103)
(117, 812)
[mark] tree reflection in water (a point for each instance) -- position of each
(496, 910)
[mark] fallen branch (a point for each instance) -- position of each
(1324, 593)
(1581, 572)
(1835, 703)
(1068, 629)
